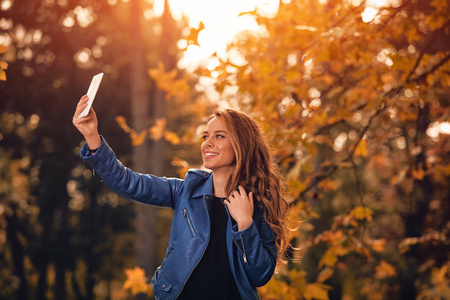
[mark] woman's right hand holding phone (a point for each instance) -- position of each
(87, 126)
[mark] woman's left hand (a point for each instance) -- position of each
(240, 207)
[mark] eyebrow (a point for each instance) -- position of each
(217, 131)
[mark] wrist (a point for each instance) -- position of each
(93, 141)
(242, 225)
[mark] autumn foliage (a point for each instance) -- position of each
(352, 94)
(356, 108)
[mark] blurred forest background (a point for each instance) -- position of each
(353, 95)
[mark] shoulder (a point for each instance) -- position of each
(197, 173)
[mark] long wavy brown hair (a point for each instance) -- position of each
(256, 171)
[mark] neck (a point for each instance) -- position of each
(220, 182)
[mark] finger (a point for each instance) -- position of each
(83, 100)
(77, 121)
(82, 104)
(80, 107)
(241, 190)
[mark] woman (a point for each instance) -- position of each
(228, 225)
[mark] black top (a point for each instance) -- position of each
(212, 278)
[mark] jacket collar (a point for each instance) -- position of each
(206, 188)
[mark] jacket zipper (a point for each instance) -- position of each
(188, 221)
(209, 236)
(243, 249)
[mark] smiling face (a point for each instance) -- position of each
(217, 150)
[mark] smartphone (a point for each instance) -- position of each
(92, 91)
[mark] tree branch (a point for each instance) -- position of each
(327, 171)
(433, 37)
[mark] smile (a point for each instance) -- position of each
(209, 154)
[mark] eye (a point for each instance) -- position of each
(204, 137)
(219, 136)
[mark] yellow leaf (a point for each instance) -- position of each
(171, 137)
(361, 149)
(2, 48)
(3, 65)
(157, 131)
(329, 259)
(384, 270)
(317, 291)
(362, 213)
(2, 75)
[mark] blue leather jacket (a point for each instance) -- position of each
(251, 252)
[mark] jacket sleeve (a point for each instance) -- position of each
(256, 245)
(148, 189)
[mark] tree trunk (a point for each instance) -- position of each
(17, 254)
(140, 113)
(415, 220)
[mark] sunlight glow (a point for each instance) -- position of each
(222, 23)
(6, 4)
(437, 128)
(372, 9)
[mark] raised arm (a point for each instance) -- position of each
(87, 126)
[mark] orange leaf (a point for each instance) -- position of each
(378, 245)
(121, 121)
(182, 164)
(325, 274)
(317, 291)
(157, 131)
(327, 184)
(136, 281)
(384, 269)
(171, 137)
(137, 139)
(418, 174)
